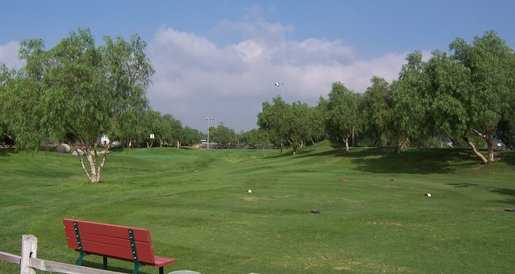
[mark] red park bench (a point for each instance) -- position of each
(115, 241)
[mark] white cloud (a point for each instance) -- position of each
(9, 55)
(196, 76)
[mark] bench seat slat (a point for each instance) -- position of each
(162, 261)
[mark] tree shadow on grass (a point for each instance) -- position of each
(5, 151)
(462, 185)
(509, 192)
(420, 161)
(509, 157)
(416, 161)
(289, 153)
(355, 153)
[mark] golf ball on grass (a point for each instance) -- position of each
(249, 191)
(428, 195)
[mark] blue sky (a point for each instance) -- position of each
(236, 49)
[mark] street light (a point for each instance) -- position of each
(209, 119)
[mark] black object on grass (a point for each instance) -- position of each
(315, 211)
(510, 210)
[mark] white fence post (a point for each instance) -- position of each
(29, 249)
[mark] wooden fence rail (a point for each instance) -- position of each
(29, 262)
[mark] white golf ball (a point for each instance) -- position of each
(428, 195)
(249, 191)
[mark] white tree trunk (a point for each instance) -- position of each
(347, 148)
(487, 137)
(403, 144)
(491, 148)
(478, 154)
(92, 162)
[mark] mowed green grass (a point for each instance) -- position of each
(374, 216)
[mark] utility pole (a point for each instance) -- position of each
(209, 119)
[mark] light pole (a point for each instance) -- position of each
(209, 119)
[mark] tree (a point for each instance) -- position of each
(343, 117)
(5, 81)
(409, 106)
(128, 71)
(377, 110)
(294, 125)
(223, 135)
(84, 90)
(272, 118)
(190, 136)
(152, 128)
(255, 138)
(172, 130)
(469, 91)
(299, 129)
(317, 121)
(129, 126)
(22, 96)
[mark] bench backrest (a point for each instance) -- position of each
(109, 240)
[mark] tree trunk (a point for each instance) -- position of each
(474, 149)
(491, 148)
(347, 148)
(178, 143)
(403, 143)
(92, 163)
(352, 138)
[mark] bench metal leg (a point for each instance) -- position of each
(104, 261)
(161, 270)
(136, 268)
(80, 260)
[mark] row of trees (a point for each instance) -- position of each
(77, 91)
(464, 96)
(295, 125)
(165, 130)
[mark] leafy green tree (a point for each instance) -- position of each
(317, 121)
(295, 125)
(127, 64)
(273, 119)
(377, 110)
(169, 130)
(190, 136)
(152, 126)
(256, 138)
(343, 116)
(409, 107)
(176, 131)
(129, 127)
(82, 90)
(22, 96)
(5, 81)
(223, 135)
(489, 63)
(299, 127)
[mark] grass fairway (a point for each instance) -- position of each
(374, 216)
